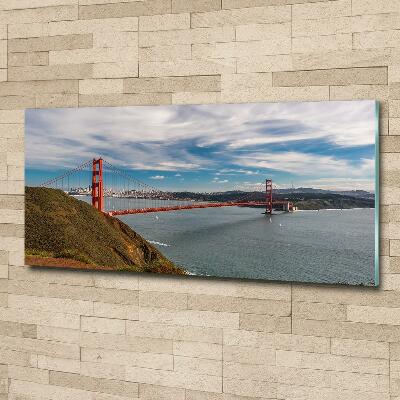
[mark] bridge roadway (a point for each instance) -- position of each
(193, 206)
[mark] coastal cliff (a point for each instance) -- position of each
(62, 231)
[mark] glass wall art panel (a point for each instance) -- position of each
(270, 191)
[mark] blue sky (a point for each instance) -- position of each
(328, 145)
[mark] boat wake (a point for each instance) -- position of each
(159, 243)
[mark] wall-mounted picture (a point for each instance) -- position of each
(270, 191)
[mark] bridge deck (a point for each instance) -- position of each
(191, 207)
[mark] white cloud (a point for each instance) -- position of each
(217, 180)
(149, 136)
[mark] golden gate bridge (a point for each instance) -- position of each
(115, 192)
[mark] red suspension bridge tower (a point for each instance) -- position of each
(268, 198)
(97, 184)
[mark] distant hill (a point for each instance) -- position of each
(303, 198)
(65, 232)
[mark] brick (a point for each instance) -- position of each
(103, 325)
(109, 100)
(126, 343)
(190, 317)
(292, 391)
(175, 379)
(324, 9)
(346, 330)
(150, 392)
(374, 7)
(179, 6)
(164, 22)
(256, 3)
(394, 73)
(359, 348)
(22, 4)
(394, 126)
(30, 58)
(102, 26)
(37, 390)
(9, 328)
(43, 14)
(196, 98)
(103, 371)
(266, 63)
(234, 304)
(14, 357)
(115, 70)
(373, 315)
(187, 68)
(389, 144)
(263, 15)
(310, 93)
(145, 360)
(238, 82)
(276, 341)
(50, 43)
(12, 116)
(16, 372)
(41, 347)
(275, 45)
(199, 35)
(39, 87)
(39, 317)
(255, 372)
(165, 53)
(3, 54)
(319, 311)
(119, 311)
(56, 100)
(76, 381)
(313, 44)
(360, 92)
(115, 39)
(175, 332)
(265, 323)
(163, 300)
(76, 292)
(331, 362)
(248, 355)
(100, 86)
(64, 335)
(337, 77)
(50, 304)
(263, 32)
(16, 102)
(58, 364)
(246, 387)
(172, 84)
(105, 54)
(342, 59)
(201, 350)
(125, 9)
(197, 365)
(372, 40)
(44, 73)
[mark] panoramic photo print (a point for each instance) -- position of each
(271, 191)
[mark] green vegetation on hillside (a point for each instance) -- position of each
(61, 227)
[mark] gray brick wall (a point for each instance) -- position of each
(72, 335)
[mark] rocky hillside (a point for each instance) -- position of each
(65, 232)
